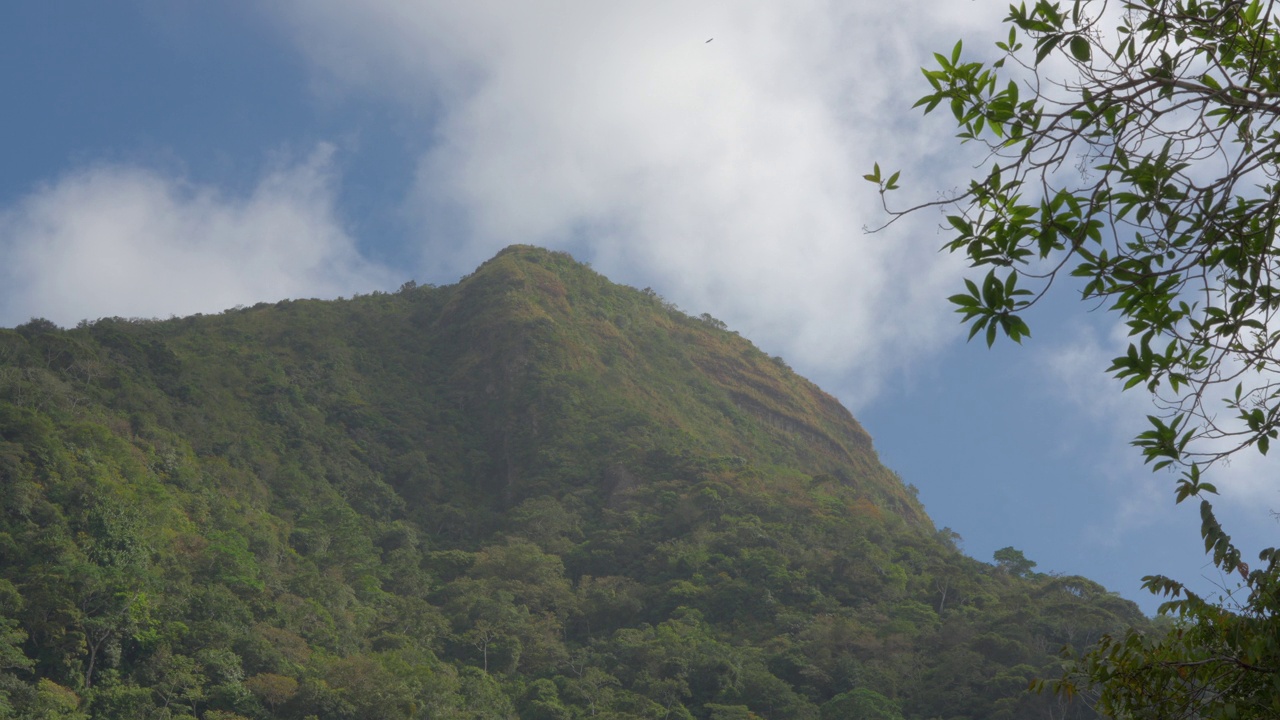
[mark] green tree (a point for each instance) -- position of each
(542, 702)
(11, 635)
(176, 680)
(271, 689)
(1012, 561)
(55, 702)
(864, 704)
(1136, 151)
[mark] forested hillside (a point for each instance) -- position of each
(531, 494)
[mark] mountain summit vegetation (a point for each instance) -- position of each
(531, 494)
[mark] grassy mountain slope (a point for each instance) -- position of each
(531, 494)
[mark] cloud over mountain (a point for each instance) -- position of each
(726, 173)
(130, 241)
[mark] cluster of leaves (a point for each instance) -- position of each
(532, 494)
(1149, 173)
(1133, 146)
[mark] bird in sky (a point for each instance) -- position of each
(708, 40)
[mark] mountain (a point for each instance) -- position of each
(530, 494)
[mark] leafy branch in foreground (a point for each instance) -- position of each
(1133, 146)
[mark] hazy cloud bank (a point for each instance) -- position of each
(1136, 498)
(118, 240)
(712, 150)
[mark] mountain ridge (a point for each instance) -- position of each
(533, 493)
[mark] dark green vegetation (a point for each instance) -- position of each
(532, 494)
(1133, 147)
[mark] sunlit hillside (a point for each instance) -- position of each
(531, 494)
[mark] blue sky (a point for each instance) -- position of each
(164, 158)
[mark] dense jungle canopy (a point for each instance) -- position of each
(531, 494)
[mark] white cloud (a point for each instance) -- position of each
(118, 240)
(724, 173)
(1136, 497)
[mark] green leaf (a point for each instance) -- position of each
(959, 223)
(1080, 48)
(1046, 46)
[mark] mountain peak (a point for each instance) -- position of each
(553, 329)
(534, 493)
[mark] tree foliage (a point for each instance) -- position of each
(534, 494)
(1012, 561)
(1132, 146)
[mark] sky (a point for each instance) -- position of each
(167, 157)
